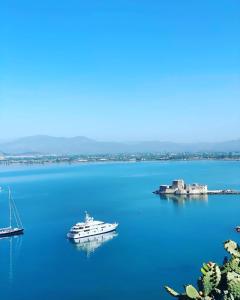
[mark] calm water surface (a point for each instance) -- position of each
(159, 241)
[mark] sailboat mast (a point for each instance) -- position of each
(10, 207)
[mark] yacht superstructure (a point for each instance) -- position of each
(89, 228)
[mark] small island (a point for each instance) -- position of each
(179, 187)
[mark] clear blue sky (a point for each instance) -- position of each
(120, 70)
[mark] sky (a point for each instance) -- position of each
(126, 70)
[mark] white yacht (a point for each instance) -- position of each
(89, 228)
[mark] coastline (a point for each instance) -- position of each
(117, 158)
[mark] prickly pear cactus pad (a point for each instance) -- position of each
(191, 292)
(211, 277)
(232, 265)
(233, 283)
(232, 248)
(172, 292)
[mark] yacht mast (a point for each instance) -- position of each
(16, 214)
(10, 207)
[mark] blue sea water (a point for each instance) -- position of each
(159, 241)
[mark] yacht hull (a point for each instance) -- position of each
(11, 231)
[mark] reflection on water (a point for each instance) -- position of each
(14, 246)
(91, 243)
(182, 199)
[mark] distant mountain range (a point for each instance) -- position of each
(43, 144)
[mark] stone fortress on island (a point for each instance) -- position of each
(179, 187)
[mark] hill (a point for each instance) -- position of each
(43, 144)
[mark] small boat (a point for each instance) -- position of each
(89, 228)
(13, 216)
(238, 229)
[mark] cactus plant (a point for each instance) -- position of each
(216, 282)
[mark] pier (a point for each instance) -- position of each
(223, 192)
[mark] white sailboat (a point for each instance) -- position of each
(13, 216)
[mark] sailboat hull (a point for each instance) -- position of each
(10, 231)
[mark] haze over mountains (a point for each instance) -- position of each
(43, 144)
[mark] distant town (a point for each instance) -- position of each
(29, 158)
